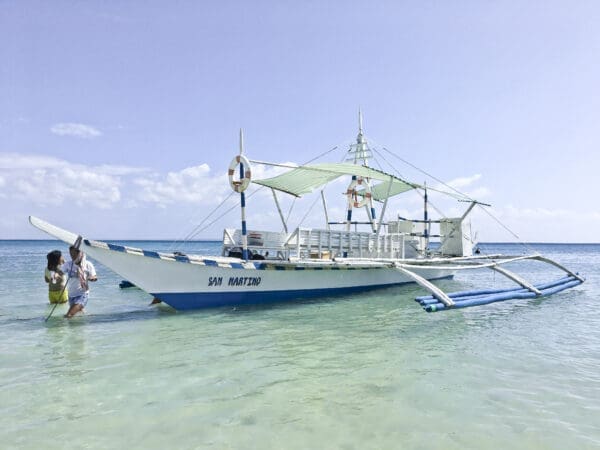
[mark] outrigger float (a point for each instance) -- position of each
(272, 266)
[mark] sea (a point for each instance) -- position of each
(365, 371)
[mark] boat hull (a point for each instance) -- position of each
(193, 282)
(204, 282)
(199, 300)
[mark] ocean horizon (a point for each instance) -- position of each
(361, 371)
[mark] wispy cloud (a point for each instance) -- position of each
(190, 185)
(58, 189)
(196, 184)
(465, 185)
(16, 161)
(44, 180)
(78, 130)
(463, 182)
(513, 212)
(121, 170)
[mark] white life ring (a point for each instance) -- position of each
(351, 193)
(241, 184)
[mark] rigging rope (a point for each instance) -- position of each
(465, 196)
(417, 191)
(287, 219)
(309, 210)
(321, 155)
(524, 244)
(192, 233)
(199, 228)
(225, 213)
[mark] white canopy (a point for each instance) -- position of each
(303, 180)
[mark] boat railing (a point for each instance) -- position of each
(315, 243)
(311, 243)
(266, 243)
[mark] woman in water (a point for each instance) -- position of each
(54, 276)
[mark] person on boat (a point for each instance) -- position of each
(80, 271)
(55, 277)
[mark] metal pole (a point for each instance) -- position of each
(325, 209)
(387, 197)
(349, 215)
(243, 204)
(425, 218)
(471, 206)
(279, 210)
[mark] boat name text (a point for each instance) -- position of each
(234, 281)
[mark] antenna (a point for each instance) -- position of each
(360, 153)
(241, 142)
(360, 120)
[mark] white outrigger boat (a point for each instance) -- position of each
(268, 266)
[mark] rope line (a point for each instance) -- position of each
(515, 235)
(309, 210)
(463, 195)
(435, 208)
(224, 214)
(203, 225)
(193, 232)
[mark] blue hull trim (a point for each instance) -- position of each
(198, 300)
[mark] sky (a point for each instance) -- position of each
(118, 120)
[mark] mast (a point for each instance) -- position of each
(243, 203)
(426, 222)
(360, 151)
(359, 154)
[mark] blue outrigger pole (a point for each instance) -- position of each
(439, 301)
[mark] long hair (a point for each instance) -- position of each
(53, 259)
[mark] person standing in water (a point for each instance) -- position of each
(79, 271)
(56, 279)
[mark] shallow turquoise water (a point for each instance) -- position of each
(358, 372)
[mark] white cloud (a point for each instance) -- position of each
(59, 190)
(513, 212)
(15, 161)
(74, 185)
(194, 184)
(49, 181)
(537, 224)
(463, 182)
(121, 170)
(191, 185)
(78, 130)
(464, 185)
(45, 180)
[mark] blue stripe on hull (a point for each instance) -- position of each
(197, 300)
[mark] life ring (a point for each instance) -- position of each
(351, 193)
(241, 184)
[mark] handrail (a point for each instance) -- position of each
(560, 266)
